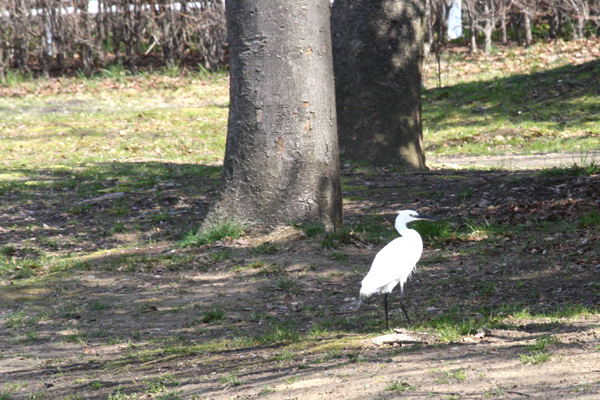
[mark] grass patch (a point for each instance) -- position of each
(435, 231)
(538, 351)
(266, 390)
(333, 240)
(266, 248)
(220, 255)
(231, 380)
(590, 219)
(313, 230)
(287, 286)
(452, 325)
(224, 230)
(339, 256)
(213, 316)
(400, 387)
(280, 333)
(169, 396)
(574, 169)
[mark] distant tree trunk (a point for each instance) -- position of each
(281, 159)
(20, 23)
(488, 26)
(472, 29)
(45, 35)
(528, 9)
(3, 57)
(429, 32)
(555, 21)
(528, 33)
(581, 10)
(503, 36)
(378, 52)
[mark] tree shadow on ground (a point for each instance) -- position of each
(104, 205)
(518, 251)
(538, 97)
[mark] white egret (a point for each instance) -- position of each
(395, 262)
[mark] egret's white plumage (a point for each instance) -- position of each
(396, 261)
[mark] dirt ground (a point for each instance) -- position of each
(133, 323)
(514, 162)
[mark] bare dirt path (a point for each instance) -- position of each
(515, 161)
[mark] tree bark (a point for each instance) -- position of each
(472, 30)
(281, 159)
(527, 20)
(488, 26)
(378, 52)
(503, 36)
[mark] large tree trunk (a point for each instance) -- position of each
(281, 160)
(378, 52)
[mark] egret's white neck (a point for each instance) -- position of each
(403, 229)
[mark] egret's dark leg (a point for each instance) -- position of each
(403, 308)
(385, 306)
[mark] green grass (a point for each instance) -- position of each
(280, 333)
(169, 396)
(314, 230)
(333, 240)
(287, 286)
(231, 380)
(590, 219)
(375, 229)
(266, 248)
(220, 255)
(214, 315)
(372, 230)
(218, 231)
(399, 387)
(452, 326)
(536, 357)
(515, 114)
(574, 169)
(266, 390)
(435, 231)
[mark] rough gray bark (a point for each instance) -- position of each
(281, 160)
(378, 52)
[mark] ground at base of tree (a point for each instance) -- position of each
(504, 301)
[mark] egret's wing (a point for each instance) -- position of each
(393, 264)
(386, 268)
